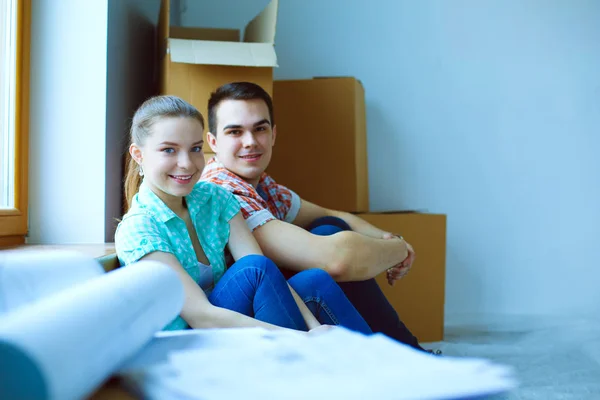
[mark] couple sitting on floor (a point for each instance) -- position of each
(297, 265)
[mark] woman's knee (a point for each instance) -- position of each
(256, 262)
(313, 279)
(318, 275)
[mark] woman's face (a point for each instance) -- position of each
(172, 158)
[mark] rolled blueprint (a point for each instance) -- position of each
(67, 344)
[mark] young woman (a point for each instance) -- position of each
(186, 224)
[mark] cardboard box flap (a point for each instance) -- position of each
(334, 77)
(163, 27)
(262, 28)
(222, 53)
(223, 35)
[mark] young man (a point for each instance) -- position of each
(293, 232)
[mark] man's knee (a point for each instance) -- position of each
(325, 230)
(334, 222)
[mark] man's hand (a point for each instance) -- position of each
(399, 271)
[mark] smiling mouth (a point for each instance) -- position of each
(251, 157)
(182, 178)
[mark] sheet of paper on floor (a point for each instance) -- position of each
(259, 364)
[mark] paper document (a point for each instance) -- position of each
(259, 364)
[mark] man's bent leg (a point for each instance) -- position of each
(372, 304)
(366, 296)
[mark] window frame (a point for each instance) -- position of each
(14, 221)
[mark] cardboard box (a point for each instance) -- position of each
(419, 296)
(321, 146)
(196, 61)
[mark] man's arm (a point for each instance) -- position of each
(309, 212)
(346, 256)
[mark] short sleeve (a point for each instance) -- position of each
(139, 235)
(229, 204)
(254, 213)
(294, 206)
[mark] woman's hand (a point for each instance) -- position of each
(321, 329)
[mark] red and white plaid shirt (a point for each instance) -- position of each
(267, 202)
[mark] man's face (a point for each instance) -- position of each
(244, 139)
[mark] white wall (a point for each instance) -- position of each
(91, 65)
(67, 121)
(488, 111)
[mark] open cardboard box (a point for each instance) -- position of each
(196, 61)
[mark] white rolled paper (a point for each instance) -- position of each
(67, 344)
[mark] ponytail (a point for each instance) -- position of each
(132, 181)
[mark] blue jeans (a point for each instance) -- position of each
(367, 296)
(255, 287)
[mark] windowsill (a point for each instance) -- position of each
(92, 250)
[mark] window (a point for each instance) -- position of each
(8, 44)
(14, 118)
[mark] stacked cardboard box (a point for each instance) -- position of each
(321, 153)
(320, 148)
(419, 296)
(196, 61)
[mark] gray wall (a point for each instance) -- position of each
(67, 121)
(132, 77)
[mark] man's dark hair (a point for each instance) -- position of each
(236, 91)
